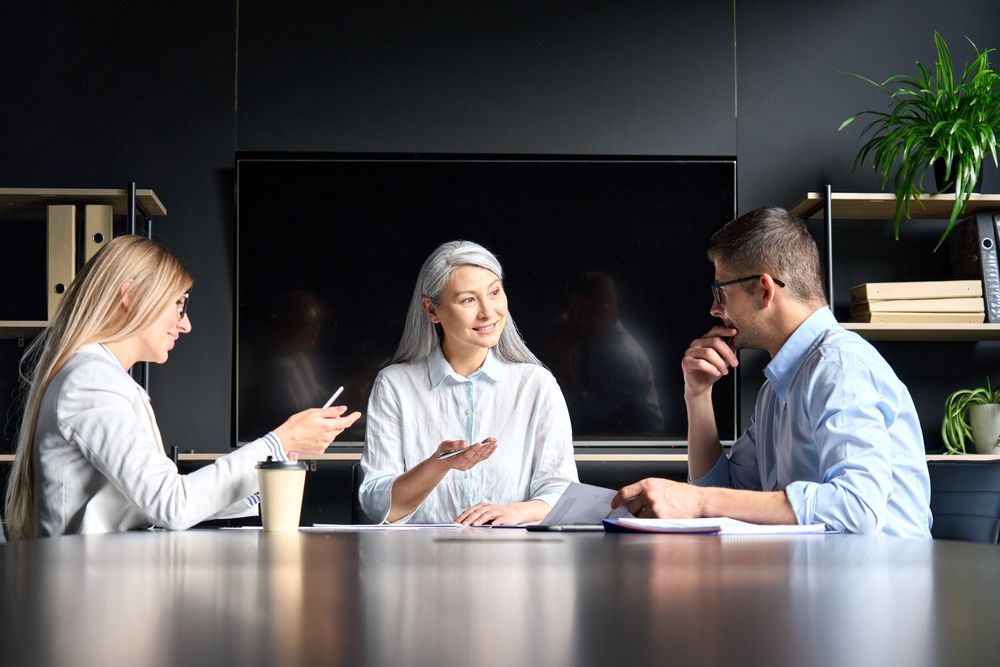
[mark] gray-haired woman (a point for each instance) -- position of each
(466, 425)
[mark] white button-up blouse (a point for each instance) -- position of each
(417, 405)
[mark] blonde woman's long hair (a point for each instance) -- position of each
(91, 312)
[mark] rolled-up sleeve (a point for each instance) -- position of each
(553, 465)
(382, 459)
(853, 443)
(717, 476)
(739, 469)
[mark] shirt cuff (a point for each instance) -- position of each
(718, 475)
(273, 443)
(551, 496)
(802, 497)
(277, 450)
(388, 507)
(398, 522)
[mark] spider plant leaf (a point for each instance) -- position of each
(932, 115)
(846, 122)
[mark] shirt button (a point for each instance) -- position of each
(466, 475)
(466, 413)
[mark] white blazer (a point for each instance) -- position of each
(100, 465)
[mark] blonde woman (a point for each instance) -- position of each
(466, 425)
(89, 455)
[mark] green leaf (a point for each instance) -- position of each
(932, 115)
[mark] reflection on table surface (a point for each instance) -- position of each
(508, 597)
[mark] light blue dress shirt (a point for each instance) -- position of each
(838, 432)
(417, 405)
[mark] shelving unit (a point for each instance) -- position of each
(925, 332)
(882, 206)
(25, 199)
(830, 206)
(62, 207)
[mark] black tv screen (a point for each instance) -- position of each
(606, 276)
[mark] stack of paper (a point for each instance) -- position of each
(927, 302)
(716, 525)
(366, 528)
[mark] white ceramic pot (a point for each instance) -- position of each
(985, 422)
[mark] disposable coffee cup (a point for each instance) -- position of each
(281, 485)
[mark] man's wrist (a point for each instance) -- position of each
(707, 497)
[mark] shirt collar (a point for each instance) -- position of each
(793, 353)
(102, 349)
(438, 368)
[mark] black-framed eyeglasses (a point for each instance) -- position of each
(182, 305)
(719, 294)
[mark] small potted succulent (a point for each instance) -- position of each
(937, 121)
(972, 414)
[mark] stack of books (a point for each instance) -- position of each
(928, 302)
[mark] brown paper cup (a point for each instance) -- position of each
(281, 486)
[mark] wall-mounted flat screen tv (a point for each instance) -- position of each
(606, 275)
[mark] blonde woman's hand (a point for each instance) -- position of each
(311, 431)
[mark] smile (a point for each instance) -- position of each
(486, 329)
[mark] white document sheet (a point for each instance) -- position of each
(363, 528)
(716, 525)
(583, 505)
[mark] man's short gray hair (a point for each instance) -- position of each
(773, 241)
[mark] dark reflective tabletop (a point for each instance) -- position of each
(500, 597)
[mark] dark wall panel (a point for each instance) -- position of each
(573, 77)
(792, 98)
(95, 96)
(98, 94)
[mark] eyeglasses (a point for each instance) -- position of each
(719, 294)
(182, 305)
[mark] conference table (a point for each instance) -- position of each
(481, 596)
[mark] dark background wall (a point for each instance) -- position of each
(164, 94)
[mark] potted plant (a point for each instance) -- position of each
(934, 118)
(972, 414)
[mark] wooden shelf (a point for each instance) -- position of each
(882, 206)
(925, 332)
(66, 211)
(963, 457)
(21, 328)
(26, 199)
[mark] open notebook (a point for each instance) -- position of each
(715, 526)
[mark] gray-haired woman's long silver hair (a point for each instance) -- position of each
(420, 336)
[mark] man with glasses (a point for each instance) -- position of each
(835, 437)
